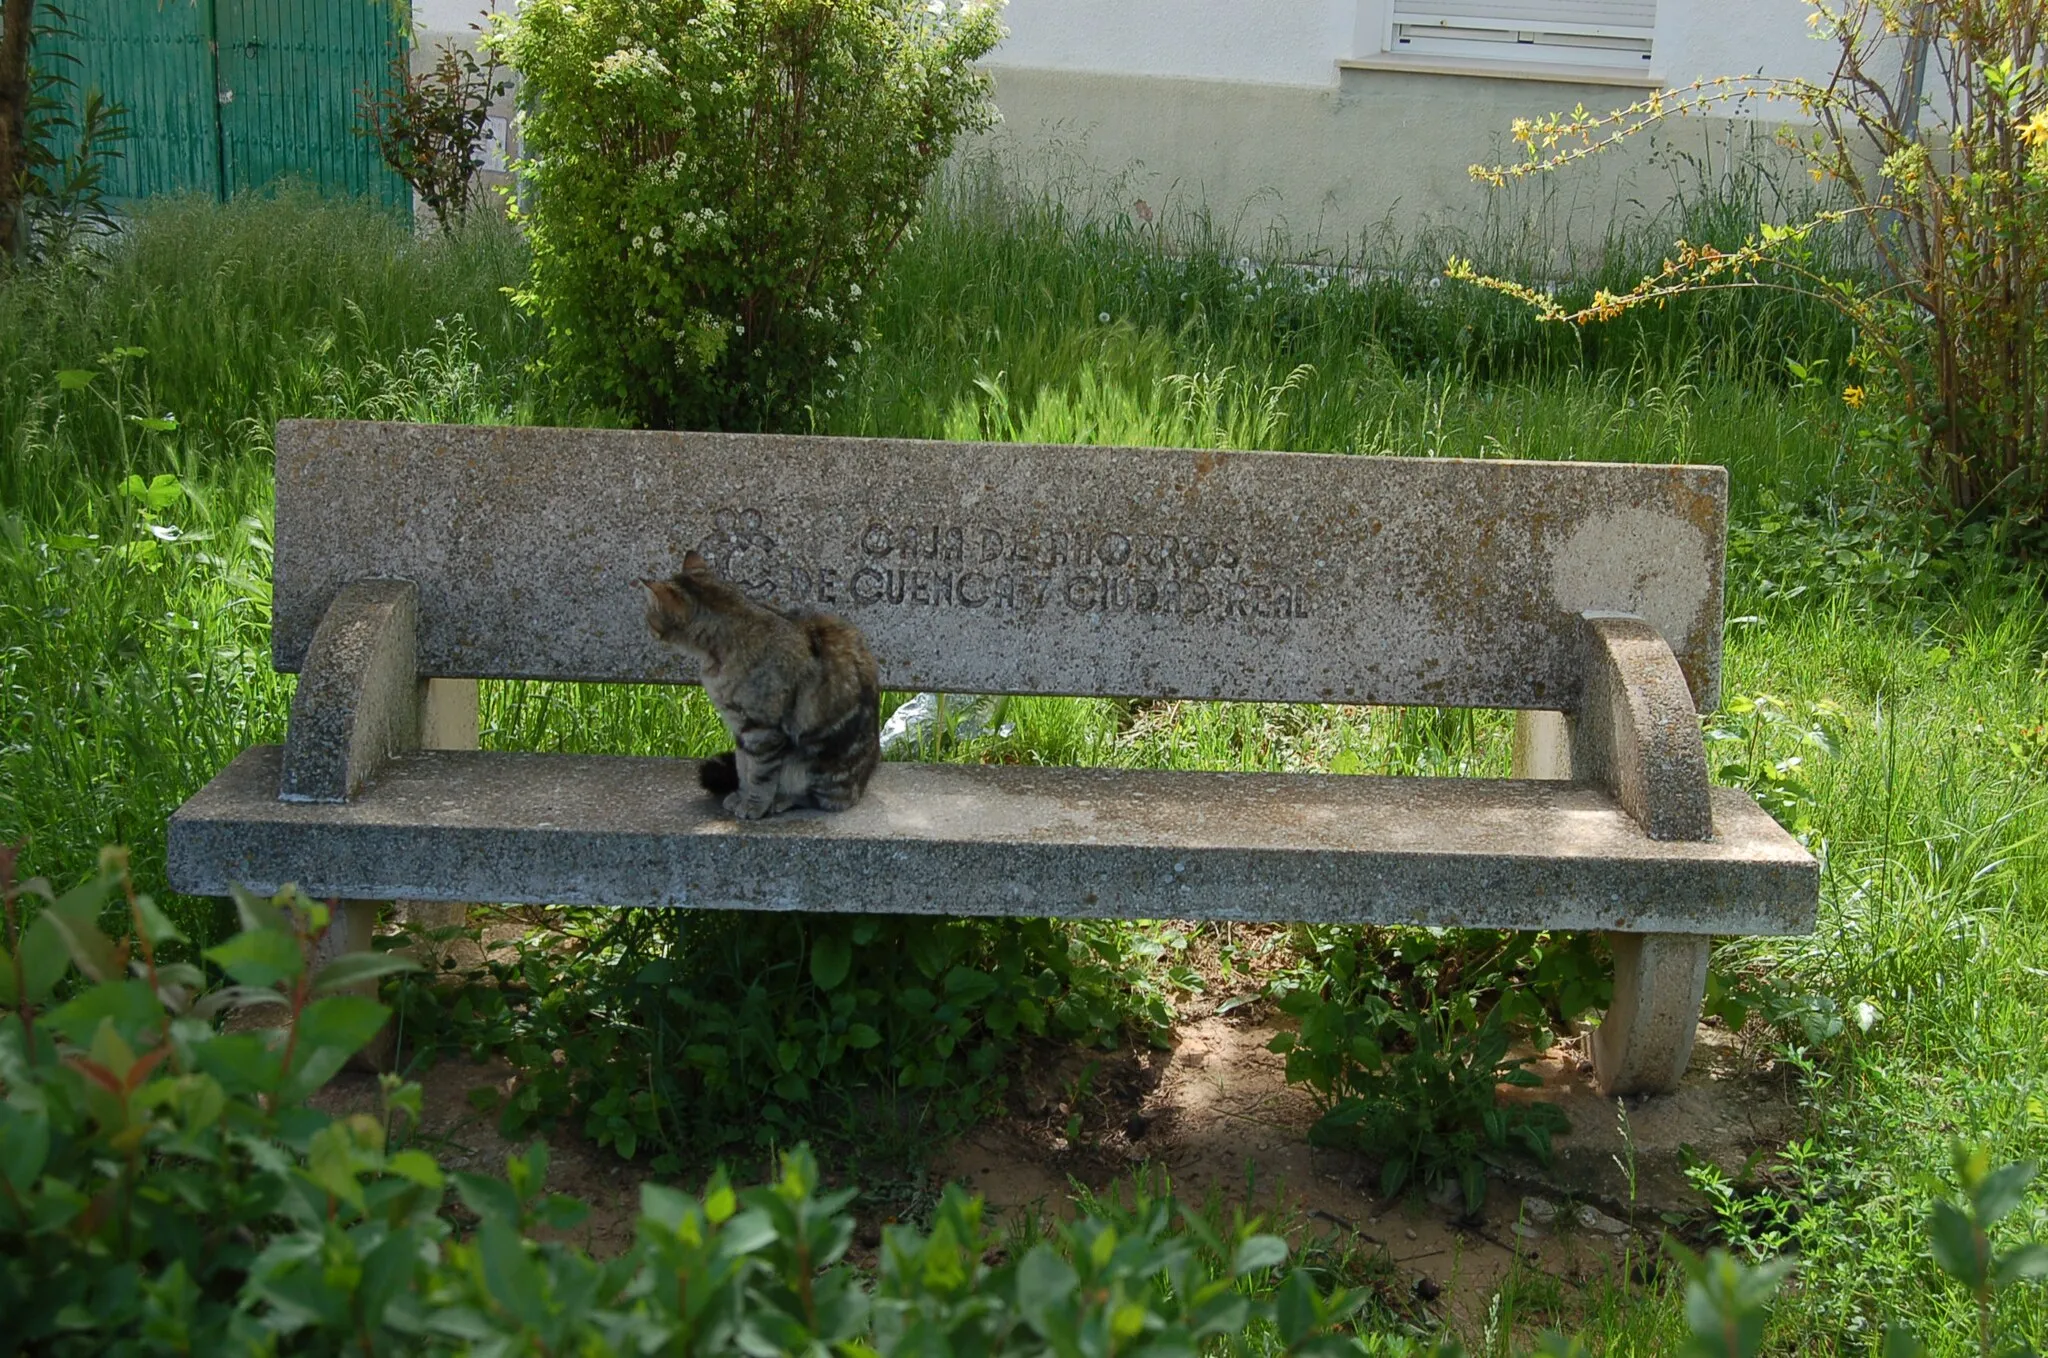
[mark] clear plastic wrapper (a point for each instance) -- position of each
(928, 717)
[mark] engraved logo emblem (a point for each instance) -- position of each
(741, 551)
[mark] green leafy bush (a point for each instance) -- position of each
(68, 141)
(431, 127)
(165, 1187)
(713, 186)
(1763, 743)
(691, 1033)
(162, 1182)
(1727, 1301)
(1428, 1109)
(1868, 556)
(1403, 1043)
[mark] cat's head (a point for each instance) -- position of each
(674, 603)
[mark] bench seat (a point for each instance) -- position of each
(1004, 840)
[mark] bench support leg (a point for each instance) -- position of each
(1660, 980)
(1543, 745)
(349, 928)
(1645, 1038)
(1636, 734)
(448, 721)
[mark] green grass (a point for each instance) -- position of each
(1933, 818)
(1018, 323)
(134, 640)
(134, 647)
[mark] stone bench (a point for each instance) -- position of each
(413, 560)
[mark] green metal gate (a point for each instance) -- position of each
(230, 95)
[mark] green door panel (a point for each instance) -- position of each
(156, 59)
(226, 96)
(293, 74)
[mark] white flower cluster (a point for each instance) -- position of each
(629, 64)
(671, 167)
(964, 9)
(686, 229)
(693, 224)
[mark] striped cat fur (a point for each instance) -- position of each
(798, 691)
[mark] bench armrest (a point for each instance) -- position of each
(1637, 733)
(358, 700)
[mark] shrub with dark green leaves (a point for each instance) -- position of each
(69, 139)
(165, 1187)
(431, 127)
(691, 1034)
(712, 187)
(1404, 1037)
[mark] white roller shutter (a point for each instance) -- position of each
(1581, 32)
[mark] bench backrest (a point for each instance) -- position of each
(1011, 568)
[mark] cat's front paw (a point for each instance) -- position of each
(746, 808)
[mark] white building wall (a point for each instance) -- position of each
(1281, 119)
(1275, 42)
(435, 19)
(1285, 119)
(1297, 42)
(1300, 42)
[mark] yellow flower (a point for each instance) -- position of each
(1853, 397)
(2034, 130)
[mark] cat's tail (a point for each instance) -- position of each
(720, 775)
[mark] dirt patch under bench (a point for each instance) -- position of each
(1216, 1112)
(1213, 1110)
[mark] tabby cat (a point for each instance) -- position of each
(798, 691)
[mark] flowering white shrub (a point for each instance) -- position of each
(713, 186)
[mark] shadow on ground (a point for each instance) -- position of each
(1215, 1112)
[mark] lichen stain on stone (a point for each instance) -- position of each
(1627, 560)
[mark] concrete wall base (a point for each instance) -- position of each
(1379, 155)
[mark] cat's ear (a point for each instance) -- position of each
(666, 596)
(693, 562)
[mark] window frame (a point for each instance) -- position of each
(1378, 47)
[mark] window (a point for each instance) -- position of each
(1599, 34)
